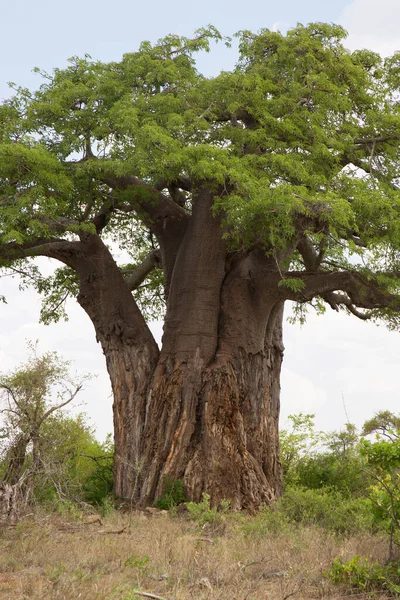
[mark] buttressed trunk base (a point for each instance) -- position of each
(215, 427)
(205, 408)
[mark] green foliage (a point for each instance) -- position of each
(97, 482)
(140, 563)
(319, 460)
(60, 452)
(384, 423)
(328, 509)
(107, 505)
(78, 467)
(360, 574)
(294, 284)
(269, 520)
(326, 470)
(279, 134)
(298, 443)
(203, 513)
(383, 461)
(173, 494)
(300, 507)
(343, 485)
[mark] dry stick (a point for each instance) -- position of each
(255, 562)
(256, 585)
(116, 531)
(148, 595)
(292, 593)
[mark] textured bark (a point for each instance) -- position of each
(15, 459)
(13, 499)
(130, 350)
(205, 408)
(216, 427)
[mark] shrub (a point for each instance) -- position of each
(269, 520)
(173, 494)
(359, 573)
(326, 508)
(203, 513)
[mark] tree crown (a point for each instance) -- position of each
(299, 144)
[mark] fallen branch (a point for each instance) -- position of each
(254, 562)
(148, 595)
(112, 531)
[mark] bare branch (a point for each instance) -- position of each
(152, 260)
(335, 299)
(362, 292)
(11, 393)
(152, 206)
(58, 406)
(376, 140)
(148, 595)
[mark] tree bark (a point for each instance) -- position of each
(15, 459)
(215, 427)
(212, 416)
(205, 408)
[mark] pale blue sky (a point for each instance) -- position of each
(44, 33)
(331, 355)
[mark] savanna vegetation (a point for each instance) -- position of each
(335, 533)
(226, 197)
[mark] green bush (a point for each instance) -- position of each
(359, 573)
(326, 508)
(203, 513)
(173, 494)
(383, 460)
(269, 520)
(344, 473)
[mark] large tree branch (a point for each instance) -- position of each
(152, 206)
(312, 259)
(164, 217)
(57, 248)
(337, 299)
(150, 262)
(361, 292)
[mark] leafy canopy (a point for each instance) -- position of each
(300, 142)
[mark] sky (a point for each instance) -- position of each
(335, 366)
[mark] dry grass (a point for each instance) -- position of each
(47, 557)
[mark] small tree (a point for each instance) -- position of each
(298, 444)
(26, 395)
(383, 460)
(74, 465)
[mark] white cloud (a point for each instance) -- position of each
(300, 394)
(373, 25)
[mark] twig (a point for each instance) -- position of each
(112, 531)
(148, 595)
(254, 562)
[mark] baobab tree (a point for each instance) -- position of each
(230, 195)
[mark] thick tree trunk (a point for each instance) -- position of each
(215, 427)
(205, 409)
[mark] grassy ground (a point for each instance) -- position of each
(53, 557)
